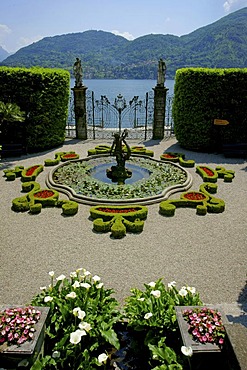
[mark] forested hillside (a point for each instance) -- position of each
(222, 44)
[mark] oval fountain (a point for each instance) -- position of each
(129, 179)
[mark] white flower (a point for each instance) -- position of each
(102, 358)
(81, 314)
(23, 363)
(96, 278)
(191, 289)
(85, 285)
(75, 337)
(155, 293)
(98, 286)
(171, 284)
(85, 326)
(141, 299)
(76, 284)
(78, 270)
(86, 273)
(73, 274)
(43, 288)
(187, 351)
(78, 312)
(71, 295)
(152, 284)
(148, 315)
(48, 299)
(183, 292)
(51, 273)
(61, 277)
(55, 354)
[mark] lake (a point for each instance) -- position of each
(127, 88)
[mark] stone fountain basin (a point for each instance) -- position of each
(90, 200)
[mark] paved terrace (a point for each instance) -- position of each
(208, 252)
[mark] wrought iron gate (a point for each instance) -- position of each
(104, 117)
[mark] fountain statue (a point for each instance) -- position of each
(119, 172)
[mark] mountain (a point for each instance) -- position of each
(3, 54)
(222, 44)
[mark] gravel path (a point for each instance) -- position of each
(208, 252)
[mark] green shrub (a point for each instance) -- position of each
(35, 208)
(167, 209)
(51, 162)
(102, 226)
(69, 208)
(202, 95)
(43, 94)
(30, 173)
(20, 204)
(118, 230)
(201, 210)
(208, 174)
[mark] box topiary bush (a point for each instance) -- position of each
(69, 207)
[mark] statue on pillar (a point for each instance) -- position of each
(161, 73)
(77, 69)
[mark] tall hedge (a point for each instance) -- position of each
(202, 95)
(43, 94)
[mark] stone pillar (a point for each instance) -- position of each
(159, 111)
(80, 111)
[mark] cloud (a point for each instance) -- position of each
(126, 35)
(232, 5)
(25, 41)
(4, 31)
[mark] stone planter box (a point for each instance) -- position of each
(11, 356)
(187, 337)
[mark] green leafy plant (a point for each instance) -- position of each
(80, 325)
(10, 112)
(151, 312)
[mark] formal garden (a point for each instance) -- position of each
(79, 320)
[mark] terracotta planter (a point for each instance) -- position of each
(11, 356)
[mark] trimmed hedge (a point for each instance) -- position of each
(203, 201)
(177, 157)
(202, 95)
(34, 200)
(61, 156)
(118, 219)
(105, 149)
(12, 173)
(30, 173)
(43, 94)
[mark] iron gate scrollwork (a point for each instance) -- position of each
(104, 118)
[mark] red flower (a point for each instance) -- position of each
(44, 194)
(194, 196)
(70, 155)
(117, 210)
(208, 171)
(31, 170)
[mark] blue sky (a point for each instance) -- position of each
(23, 22)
